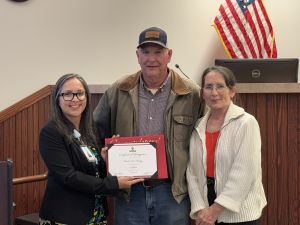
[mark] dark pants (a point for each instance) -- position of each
(211, 196)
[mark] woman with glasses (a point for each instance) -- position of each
(77, 182)
(224, 172)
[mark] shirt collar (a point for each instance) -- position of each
(161, 88)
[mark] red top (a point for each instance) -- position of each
(211, 140)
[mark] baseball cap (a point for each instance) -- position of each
(153, 35)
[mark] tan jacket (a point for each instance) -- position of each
(117, 113)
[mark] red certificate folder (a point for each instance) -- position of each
(162, 171)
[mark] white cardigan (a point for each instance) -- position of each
(238, 173)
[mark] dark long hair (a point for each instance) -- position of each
(228, 76)
(64, 126)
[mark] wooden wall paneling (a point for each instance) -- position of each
(19, 130)
(282, 157)
(95, 99)
(250, 104)
(48, 108)
(17, 165)
(41, 122)
(12, 140)
(6, 143)
(30, 186)
(272, 159)
(292, 152)
(47, 113)
(1, 141)
(24, 158)
(36, 155)
(261, 114)
(298, 154)
(241, 100)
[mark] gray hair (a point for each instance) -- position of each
(228, 76)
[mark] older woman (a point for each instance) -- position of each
(77, 182)
(224, 172)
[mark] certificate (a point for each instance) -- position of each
(138, 156)
(132, 159)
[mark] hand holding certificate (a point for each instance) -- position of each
(139, 156)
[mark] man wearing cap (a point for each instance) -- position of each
(154, 100)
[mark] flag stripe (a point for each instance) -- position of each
(254, 31)
(224, 39)
(264, 12)
(245, 29)
(262, 28)
(233, 33)
(273, 53)
(227, 36)
(242, 29)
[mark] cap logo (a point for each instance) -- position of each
(152, 34)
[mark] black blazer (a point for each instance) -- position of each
(71, 187)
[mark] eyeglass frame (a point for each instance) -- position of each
(217, 87)
(73, 95)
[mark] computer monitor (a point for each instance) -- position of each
(283, 70)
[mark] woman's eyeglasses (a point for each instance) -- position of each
(217, 87)
(69, 96)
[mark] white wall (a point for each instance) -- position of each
(44, 39)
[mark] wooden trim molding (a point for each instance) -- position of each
(29, 179)
(268, 87)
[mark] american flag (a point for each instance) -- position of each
(245, 29)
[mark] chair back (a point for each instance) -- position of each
(6, 203)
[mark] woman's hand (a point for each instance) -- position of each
(104, 149)
(104, 152)
(126, 182)
(209, 216)
(204, 217)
